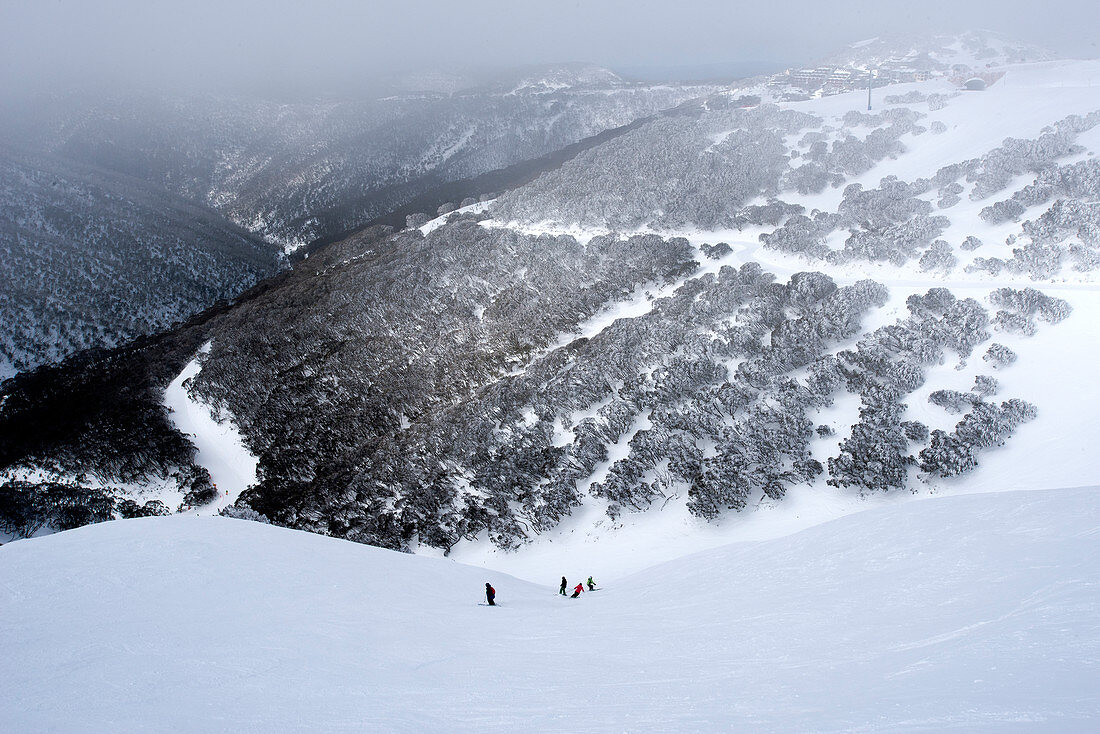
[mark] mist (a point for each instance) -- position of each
(336, 45)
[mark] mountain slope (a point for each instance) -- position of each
(972, 613)
(117, 188)
(710, 314)
(91, 258)
(295, 171)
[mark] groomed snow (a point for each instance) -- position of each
(976, 614)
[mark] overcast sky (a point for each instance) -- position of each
(225, 43)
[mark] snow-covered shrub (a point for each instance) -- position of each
(1030, 302)
(1066, 218)
(895, 244)
(1040, 262)
(1015, 157)
(952, 401)
(128, 508)
(915, 431)
(1008, 210)
(716, 251)
(947, 456)
(875, 457)
(26, 507)
(985, 386)
(1085, 259)
(938, 257)
(991, 265)
(999, 356)
(949, 195)
(986, 426)
(936, 301)
(937, 102)
(909, 97)
(774, 213)
(893, 202)
(809, 178)
(801, 234)
(1014, 323)
(243, 512)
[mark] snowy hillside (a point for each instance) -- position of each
(121, 215)
(975, 614)
(94, 259)
(702, 327)
(293, 172)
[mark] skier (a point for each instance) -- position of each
(591, 584)
(490, 594)
(563, 585)
(577, 591)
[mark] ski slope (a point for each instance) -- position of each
(975, 613)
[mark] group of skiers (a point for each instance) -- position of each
(491, 593)
(578, 588)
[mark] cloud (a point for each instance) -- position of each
(332, 43)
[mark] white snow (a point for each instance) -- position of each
(221, 448)
(976, 614)
(442, 219)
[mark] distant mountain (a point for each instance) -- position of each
(296, 172)
(975, 50)
(713, 72)
(94, 258)
(101, 197)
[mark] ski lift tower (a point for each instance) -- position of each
(870, 82)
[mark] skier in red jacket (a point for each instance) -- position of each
(577, 591)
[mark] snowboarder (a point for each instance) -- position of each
(563, 585)
(591, 584)
(577, 591)
(490, 594)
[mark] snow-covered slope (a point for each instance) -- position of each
(975, 614)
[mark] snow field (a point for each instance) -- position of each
(978, 613)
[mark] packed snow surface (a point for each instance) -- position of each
(972, 613)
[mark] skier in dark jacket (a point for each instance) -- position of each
(577, 591)
(490, 594)
(563, 585)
